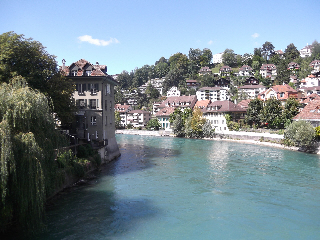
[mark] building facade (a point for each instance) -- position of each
(94, 98)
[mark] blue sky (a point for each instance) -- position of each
(127, 34)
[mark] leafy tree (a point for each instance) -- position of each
(283, 73)
(153, 124)
(125, 80)
(117, 119)
(152, 92)
(301, 134)
(207, 129)
(247, 59)
(229, 58)
(291, 53)
(305, 69)
(206, 57)
(29, 59)
(161, 69)
(177, 122)
(271, 115)
(315, 50)
(267, 50)
(253, 116)
(118, 95)
(291, 109)
(27, 141)
(141, 76)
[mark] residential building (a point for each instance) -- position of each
(94, 98)
(310, 81)
(245, 70)
(280, 92)
(155, 107)
(223, 83)
(202, 104)
(212, 93)
(138, 118)
(293, 66)
(310, 113)
(216, 111)
(251, 81)
(217, 58)
(310, 90)
(163, 116)
(280, 53)
(179, 101)
(268, 71)
(123, 111)
(252, 90)
(204, 70)
(174, 91)
(306, 51)
(315, 64)
(225, 71)
(192, 84)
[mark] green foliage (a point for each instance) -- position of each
(27, 141)
(153, 124)
(301, 134)
(207, 130)
(117, 119)
(29, 59)
(229, 58)
(129, 126)
(253, 115)
(271, 115)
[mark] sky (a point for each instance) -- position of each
(128, 34)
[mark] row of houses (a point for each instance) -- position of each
(304, 52)
(213, 106)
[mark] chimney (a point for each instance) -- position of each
(63, 64)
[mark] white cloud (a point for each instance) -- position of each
(255, 35)
(210, 42)
(98, 42)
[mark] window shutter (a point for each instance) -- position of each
(89, 88)
(77, 87)
(84, 87)
(96, 86)
(97, 103)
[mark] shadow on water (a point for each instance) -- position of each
(96, 213)
(86, 211)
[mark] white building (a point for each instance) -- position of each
(174, 91)
(212, 93)
(217, 58)
(252, 90)
(216, 111)
(306, 51)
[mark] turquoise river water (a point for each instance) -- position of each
(175, 188)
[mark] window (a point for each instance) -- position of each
(94, 88)
(81, 103)
(87, 73)
(108, 91)
(110, 105)
(74, 73)
(81, 88)
(93, 120)
(93, 104)
(106, 105)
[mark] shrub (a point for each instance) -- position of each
(301, 134)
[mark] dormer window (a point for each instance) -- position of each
(74, 73)
(87, 73)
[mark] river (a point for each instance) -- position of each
(176, 188)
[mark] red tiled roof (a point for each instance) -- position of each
(202, 103)
(165, 111)
(224, 106)
(178, 101)
(311, 111)
(312, 97)
(244, 103)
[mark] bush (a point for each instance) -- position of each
(301, 134)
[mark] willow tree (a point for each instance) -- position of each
(27, 142)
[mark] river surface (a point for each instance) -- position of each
(175, 188)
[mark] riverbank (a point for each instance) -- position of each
(265, 139)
